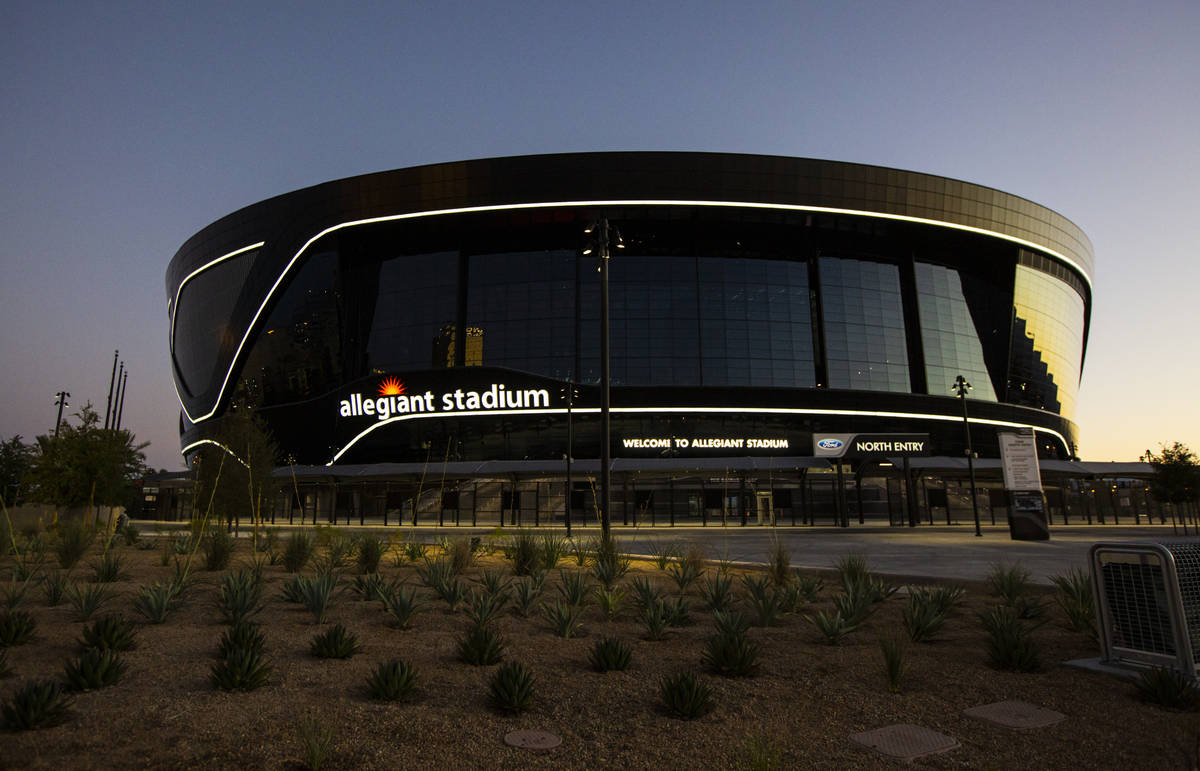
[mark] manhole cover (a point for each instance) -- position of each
(905, 741)
(1015, 714)
(539, 741)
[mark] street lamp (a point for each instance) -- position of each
(599, 235)
(570, 392)
(61, 400)
(961, 387)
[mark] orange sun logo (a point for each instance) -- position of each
(391, 387)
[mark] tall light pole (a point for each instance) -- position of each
(961, 387)
(599, 234)
(570, 392)
(112, 379)
(60, 399)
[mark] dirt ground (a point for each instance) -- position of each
(807, 699)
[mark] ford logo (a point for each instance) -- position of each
(830, 444)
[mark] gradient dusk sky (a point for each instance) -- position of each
(127, 127)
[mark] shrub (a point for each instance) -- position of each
(580, 551)
(243, 669)
(298, 552)
(610, 565)
(112, 633)
(656, 617)
(218, 546)
(318, 594)
(36, 705)
(730, 622)
(663, 553)
(108, 568)
(481, 646)
(436, 573)
(563, 618)
(494, 582)
(373, 586)
(402, 605)
(1075, 598)
(54, 587)
(854, 603)
(240, 596)
(573, 587)
(779, 563)
(833, 625)
(685, 695)
(453, 592)
(1008, 581)
(609, 654)
(16, 628)
(317, 740)
(525, 593)
(461, 554)
(716, 592)
(645, 593)
(74, 538)
(892, 649)
(766, 607)
(523, 551)
(155, 602)
(1166, 687)
(414, 551)
(370, 552)
(731, 655)
(553, 549)
(852, 568)
(684, 573)
(511, 688)
(334, 643)
(395, 680)
(86, 599)
(242, 636)
(484, 608)
(808, 586)
(130, 533)
(339, 547)
(609, 600)
(95, 668)
(677, 612)
(1010, 641)
(923, 617)
(293, 589)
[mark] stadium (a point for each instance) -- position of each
(425, 344)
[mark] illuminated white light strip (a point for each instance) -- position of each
(726, 410)
(617, 202)
(175, 306)
(232, 454)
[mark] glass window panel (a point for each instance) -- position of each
(864, 325)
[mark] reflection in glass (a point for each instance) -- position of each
(1047, 343)
(864, 325)
(202, 320)
(948, 334)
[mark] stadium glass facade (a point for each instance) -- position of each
(448, 313)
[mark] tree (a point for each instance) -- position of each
(84, 464)
(1176, 474)
(15, 460)
(235, 473)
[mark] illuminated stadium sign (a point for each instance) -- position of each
(393, 400)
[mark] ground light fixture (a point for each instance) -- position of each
(960, 388)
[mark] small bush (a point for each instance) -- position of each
(834, 626)
(453, 592)
(1075, 598)
(293, 589)
(108, 568)
(86, 599)
(730, 622)
(717, 592)
(609, 654)
(240, 596)
(1008, 581)
(130, 534)
(610, 565)
(413, 551)
(94, 669)
(243, 636)
(645, 593)
(317, 740)
(14, 592)
(484, 608)
(36, 705)
(656, 617)
(609, 600)
(854, 603)
(1010, 641)
(580, 550)
(461, 554)
(663, 553)
(16, 628)
(524, 552)
(779, 563)
(241, 670)
(1166, 687)
(370, 552)
(684, 573)
(402, 605)
(808, 586)
(494, 582)
(395, 680)
(155, 602)
(923, 618)
(892, 649)
(685, 695)
(731, 655)
(298, 551)
(113, 633)
(511, 688)
(218, 546)
(553, 549)
(372, 586)
(573, 587)
(526, 592)
(563, 618)
(318, 594)
(481, 646)
(766, 607)
(334, 643)
(852, 568)
(74, 538)
(54, 587)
